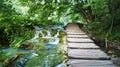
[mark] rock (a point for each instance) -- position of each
(61, 65)
(27, 45)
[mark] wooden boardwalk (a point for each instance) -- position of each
(82, 51)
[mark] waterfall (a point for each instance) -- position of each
(42, 34)
(57, 34)
(38, 30)
(48, 34)
(36, 35)
(54, 39)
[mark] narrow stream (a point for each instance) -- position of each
(45, 49)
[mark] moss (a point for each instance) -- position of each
(62, 34)
(44, 32)
(54, 32)
(35, 62)
(41, 61)
(44, 40)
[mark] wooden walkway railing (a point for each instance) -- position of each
(82, 51)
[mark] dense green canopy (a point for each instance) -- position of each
(18, 16)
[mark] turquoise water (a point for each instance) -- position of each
(43, 50)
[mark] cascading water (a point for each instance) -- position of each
(48, 34)
(57, 34)
(54, 40)
(38, 31)
(43, 46)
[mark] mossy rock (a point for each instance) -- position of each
(44, 40)
(27, 45)
(39, 47)
(62, 34)
(54, 32)
(34, 46)
(44, 32)
(35, 62)
(117, 62)
(41, 61)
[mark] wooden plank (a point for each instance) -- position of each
(77, 36)
(82, 46)
(73, 28)
(90, 66)
(78, 63)
(79, 40)
(74, 31)
(87, 54)
(71, 33)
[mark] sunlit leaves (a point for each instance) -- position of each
(100, 10)
(19, 8)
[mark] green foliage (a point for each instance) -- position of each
(19, 37)
(106, 19)
(2, 56)
(100, 10)
(13, 26)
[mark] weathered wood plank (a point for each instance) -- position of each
(87, 54)
(77, 36)
(80, 40)
(73, 28)
(91, 62)
(74, 33)
(90, 66)
(78, 63)
(82, 46)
